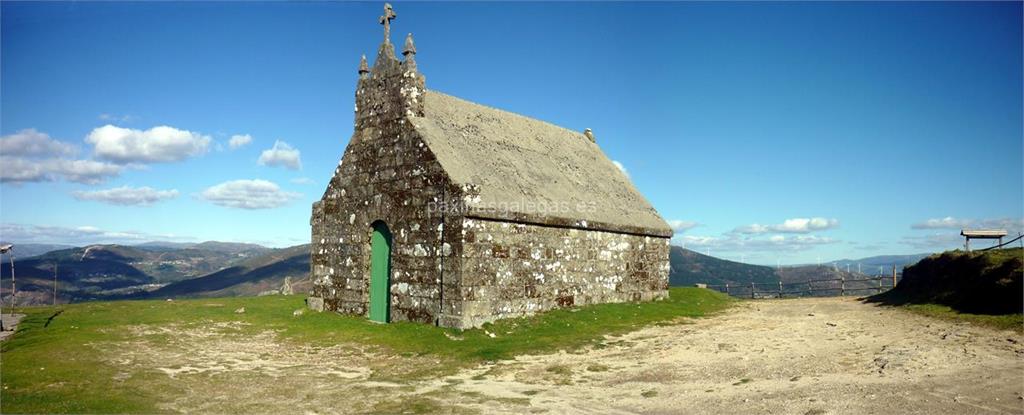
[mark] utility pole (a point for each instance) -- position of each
(55, 284)
(14, 287)
(8, 249)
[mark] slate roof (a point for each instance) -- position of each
(527, 170)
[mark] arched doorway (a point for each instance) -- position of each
(380, 273)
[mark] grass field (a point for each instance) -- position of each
(63, 364)
(1001, 321)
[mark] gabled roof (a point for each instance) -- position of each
(525, 170)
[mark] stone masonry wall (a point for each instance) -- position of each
(513, 269)
(387, 173)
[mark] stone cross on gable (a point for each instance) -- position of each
(389, 15)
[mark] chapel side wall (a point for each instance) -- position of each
(513, 269)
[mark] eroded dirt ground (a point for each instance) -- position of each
(799, 356)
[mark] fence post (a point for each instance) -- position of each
(780, 287)
(842, 285)
(810, 288)
(894, 276)
(752, 290)
(726, 288)
(879, 284)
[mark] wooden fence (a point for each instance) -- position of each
(821, 287)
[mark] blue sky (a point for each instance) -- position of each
(767, 132)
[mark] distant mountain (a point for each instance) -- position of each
(31, 250)
(261, 274)
(870, 265)
(164, 246)
(118, 271)
(230, 247)
(88, 273)
(688, 267)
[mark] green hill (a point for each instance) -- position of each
(987, 282)
(253, 276)
(688, 267)
(114, 271)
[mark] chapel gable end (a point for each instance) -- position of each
(391, 88)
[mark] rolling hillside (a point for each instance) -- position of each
(31, 250)
(254, 276)
(88, 273)
(109, 271)
(870, 265)
(688, 267)
(210, 269)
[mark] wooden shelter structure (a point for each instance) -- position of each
(969, 234)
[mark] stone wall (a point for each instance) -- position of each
(386, 174)
(514, 269)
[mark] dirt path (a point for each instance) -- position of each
(804, 356)
(801, 356)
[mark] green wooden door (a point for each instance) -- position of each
(380, 272)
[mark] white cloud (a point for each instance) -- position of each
(732, 242)
(32, 143)
(22, 170)
(239, 141)
(281, 155)
(117, 118)
(157, 144)
(935, 241)
(248, 194)
(302, 180)
(77, 235)
(127, 196)
(795, 225)
(621, 167)
(680, 226)
(949, 222)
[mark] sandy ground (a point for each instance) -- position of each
(798, 356)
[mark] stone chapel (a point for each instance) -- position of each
(452, 213)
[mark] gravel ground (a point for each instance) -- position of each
(802, 356)
(794, 356)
